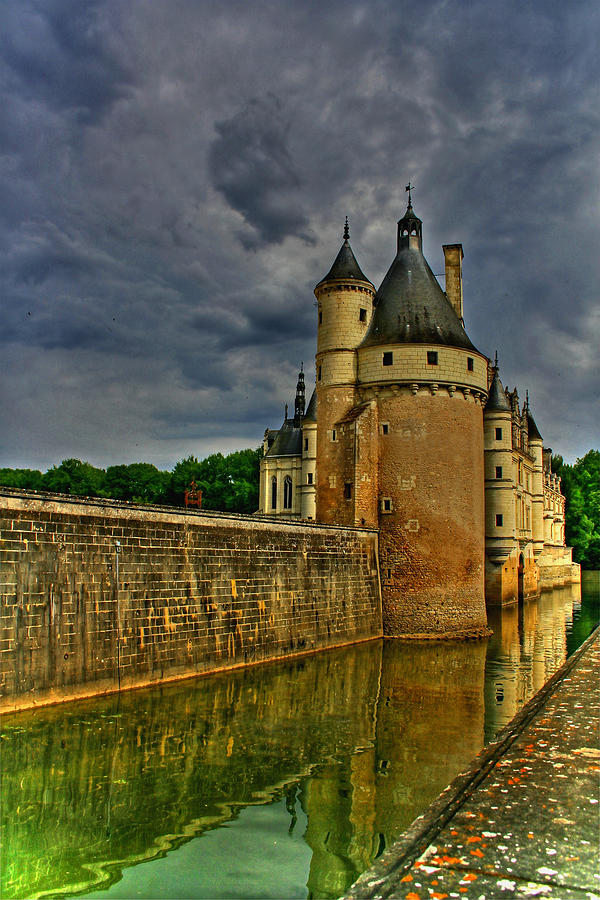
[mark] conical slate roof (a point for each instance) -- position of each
(410, 306)
(345, 265)
(496, 401)
(532, 429)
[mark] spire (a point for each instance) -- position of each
(346, 230)
(300, 401)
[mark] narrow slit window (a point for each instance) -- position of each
(470, 363)
(333, 435)
(318, 373)
(498, 471)
(305, 444)
(388, 358)
(498, 434)
(386, 504)
(309, 477)
(385, 428)
(498, 520)
(348, 490)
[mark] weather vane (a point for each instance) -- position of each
(346, 230)
(409, 187)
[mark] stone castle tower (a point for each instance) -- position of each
(410, 431)
(400, 396)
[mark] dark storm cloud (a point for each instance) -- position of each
(251, 164)
(59, 52)
(174, 179)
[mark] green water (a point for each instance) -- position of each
(283, 780)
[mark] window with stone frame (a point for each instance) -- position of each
(274, 492)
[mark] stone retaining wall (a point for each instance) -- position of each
(100, 595)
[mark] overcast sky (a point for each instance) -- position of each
(175, 176)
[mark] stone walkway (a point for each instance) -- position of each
(524, 821)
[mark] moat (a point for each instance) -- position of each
(281, 780)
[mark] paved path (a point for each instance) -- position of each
(524, 821)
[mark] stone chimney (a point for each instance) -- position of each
(453, 257)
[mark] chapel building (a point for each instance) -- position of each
(410, 431)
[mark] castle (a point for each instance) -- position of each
(410, 431)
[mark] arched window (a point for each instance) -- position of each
(274, 492)
(287, 492)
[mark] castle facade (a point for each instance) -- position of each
(410, 431)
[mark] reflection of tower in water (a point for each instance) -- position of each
(527, 646)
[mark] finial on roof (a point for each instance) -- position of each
(496, 360)
(527, 399)
(409, 187)
(346, 230)
(286, 410)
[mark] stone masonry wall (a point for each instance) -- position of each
(196, 592)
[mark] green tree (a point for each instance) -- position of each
(75, 477)
(228, 483)
(29, 479)
(581, 486)
(139, 482)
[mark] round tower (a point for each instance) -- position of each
(500, 526)
(429, 384)
(345, 307)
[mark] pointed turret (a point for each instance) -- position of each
(345, 264)
(496, 401)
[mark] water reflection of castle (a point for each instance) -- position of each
(362, 739)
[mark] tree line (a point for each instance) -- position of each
(580, 484)
(228, 483)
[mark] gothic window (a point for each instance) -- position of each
(273, 492)
(388, 358)
(287, 492)
(432, 358)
